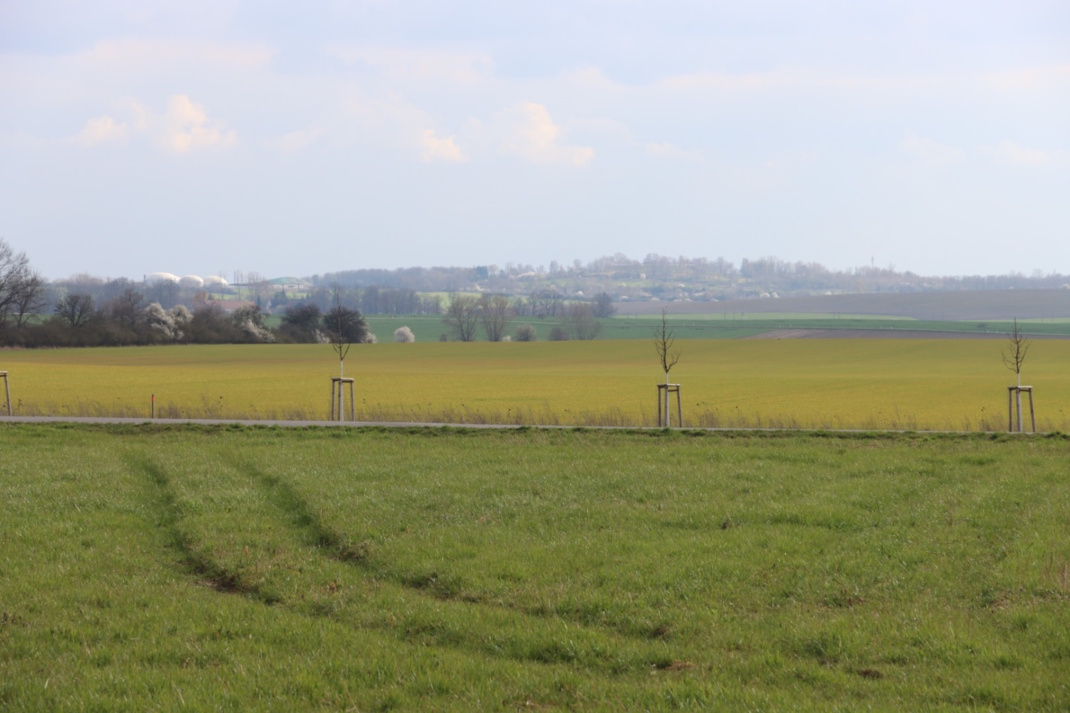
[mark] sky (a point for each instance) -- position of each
(296, 139)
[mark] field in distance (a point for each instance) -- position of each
(953, 306)
(748, 324)
(852, 383)
(231, 568)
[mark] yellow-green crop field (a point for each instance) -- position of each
(811, 383)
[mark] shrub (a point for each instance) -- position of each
(581, 321)
(558, 334)
(161, 325)
(404, 335)
(525, 333)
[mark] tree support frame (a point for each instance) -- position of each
(1014, 395)
(664, 390)
(7, 391)
(337, 386)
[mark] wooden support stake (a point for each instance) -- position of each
(7, 391)
(1010, 409)
(1032, 417)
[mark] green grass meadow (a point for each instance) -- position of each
(254, 568)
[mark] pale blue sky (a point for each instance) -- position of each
(300, 138)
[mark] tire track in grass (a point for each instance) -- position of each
(195, 562)
(338, 547)
(304, 518)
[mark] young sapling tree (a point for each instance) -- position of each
(1013, 358)
(344, 326)
(664, 341)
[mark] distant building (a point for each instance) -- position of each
(157, 278)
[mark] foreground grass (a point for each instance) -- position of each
(241, 569)
(853, 383)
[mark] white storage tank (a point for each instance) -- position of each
(158, 277)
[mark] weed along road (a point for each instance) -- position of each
(402, 425)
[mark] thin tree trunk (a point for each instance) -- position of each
(1019, 394)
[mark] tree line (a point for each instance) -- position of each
(129, 319)
(465, 313)
(117, 313)
(86, 312)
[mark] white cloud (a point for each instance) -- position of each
(1015, 153)
(186, 126)
(183, 127)
(528, 131)
(102, 130)
(436, 149)
(931, 152)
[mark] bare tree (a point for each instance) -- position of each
(603, 305)
(581, 322)
(1016, 351)
(16, 279)
(29, 297)
(344, 327)
(126, 309)
(75, 309)
(462, 316)
(664, 341)
(1013, 358)
(546, 303)
(495, 313)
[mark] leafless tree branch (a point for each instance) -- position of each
(664, 339)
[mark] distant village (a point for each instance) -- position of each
(163, 306)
